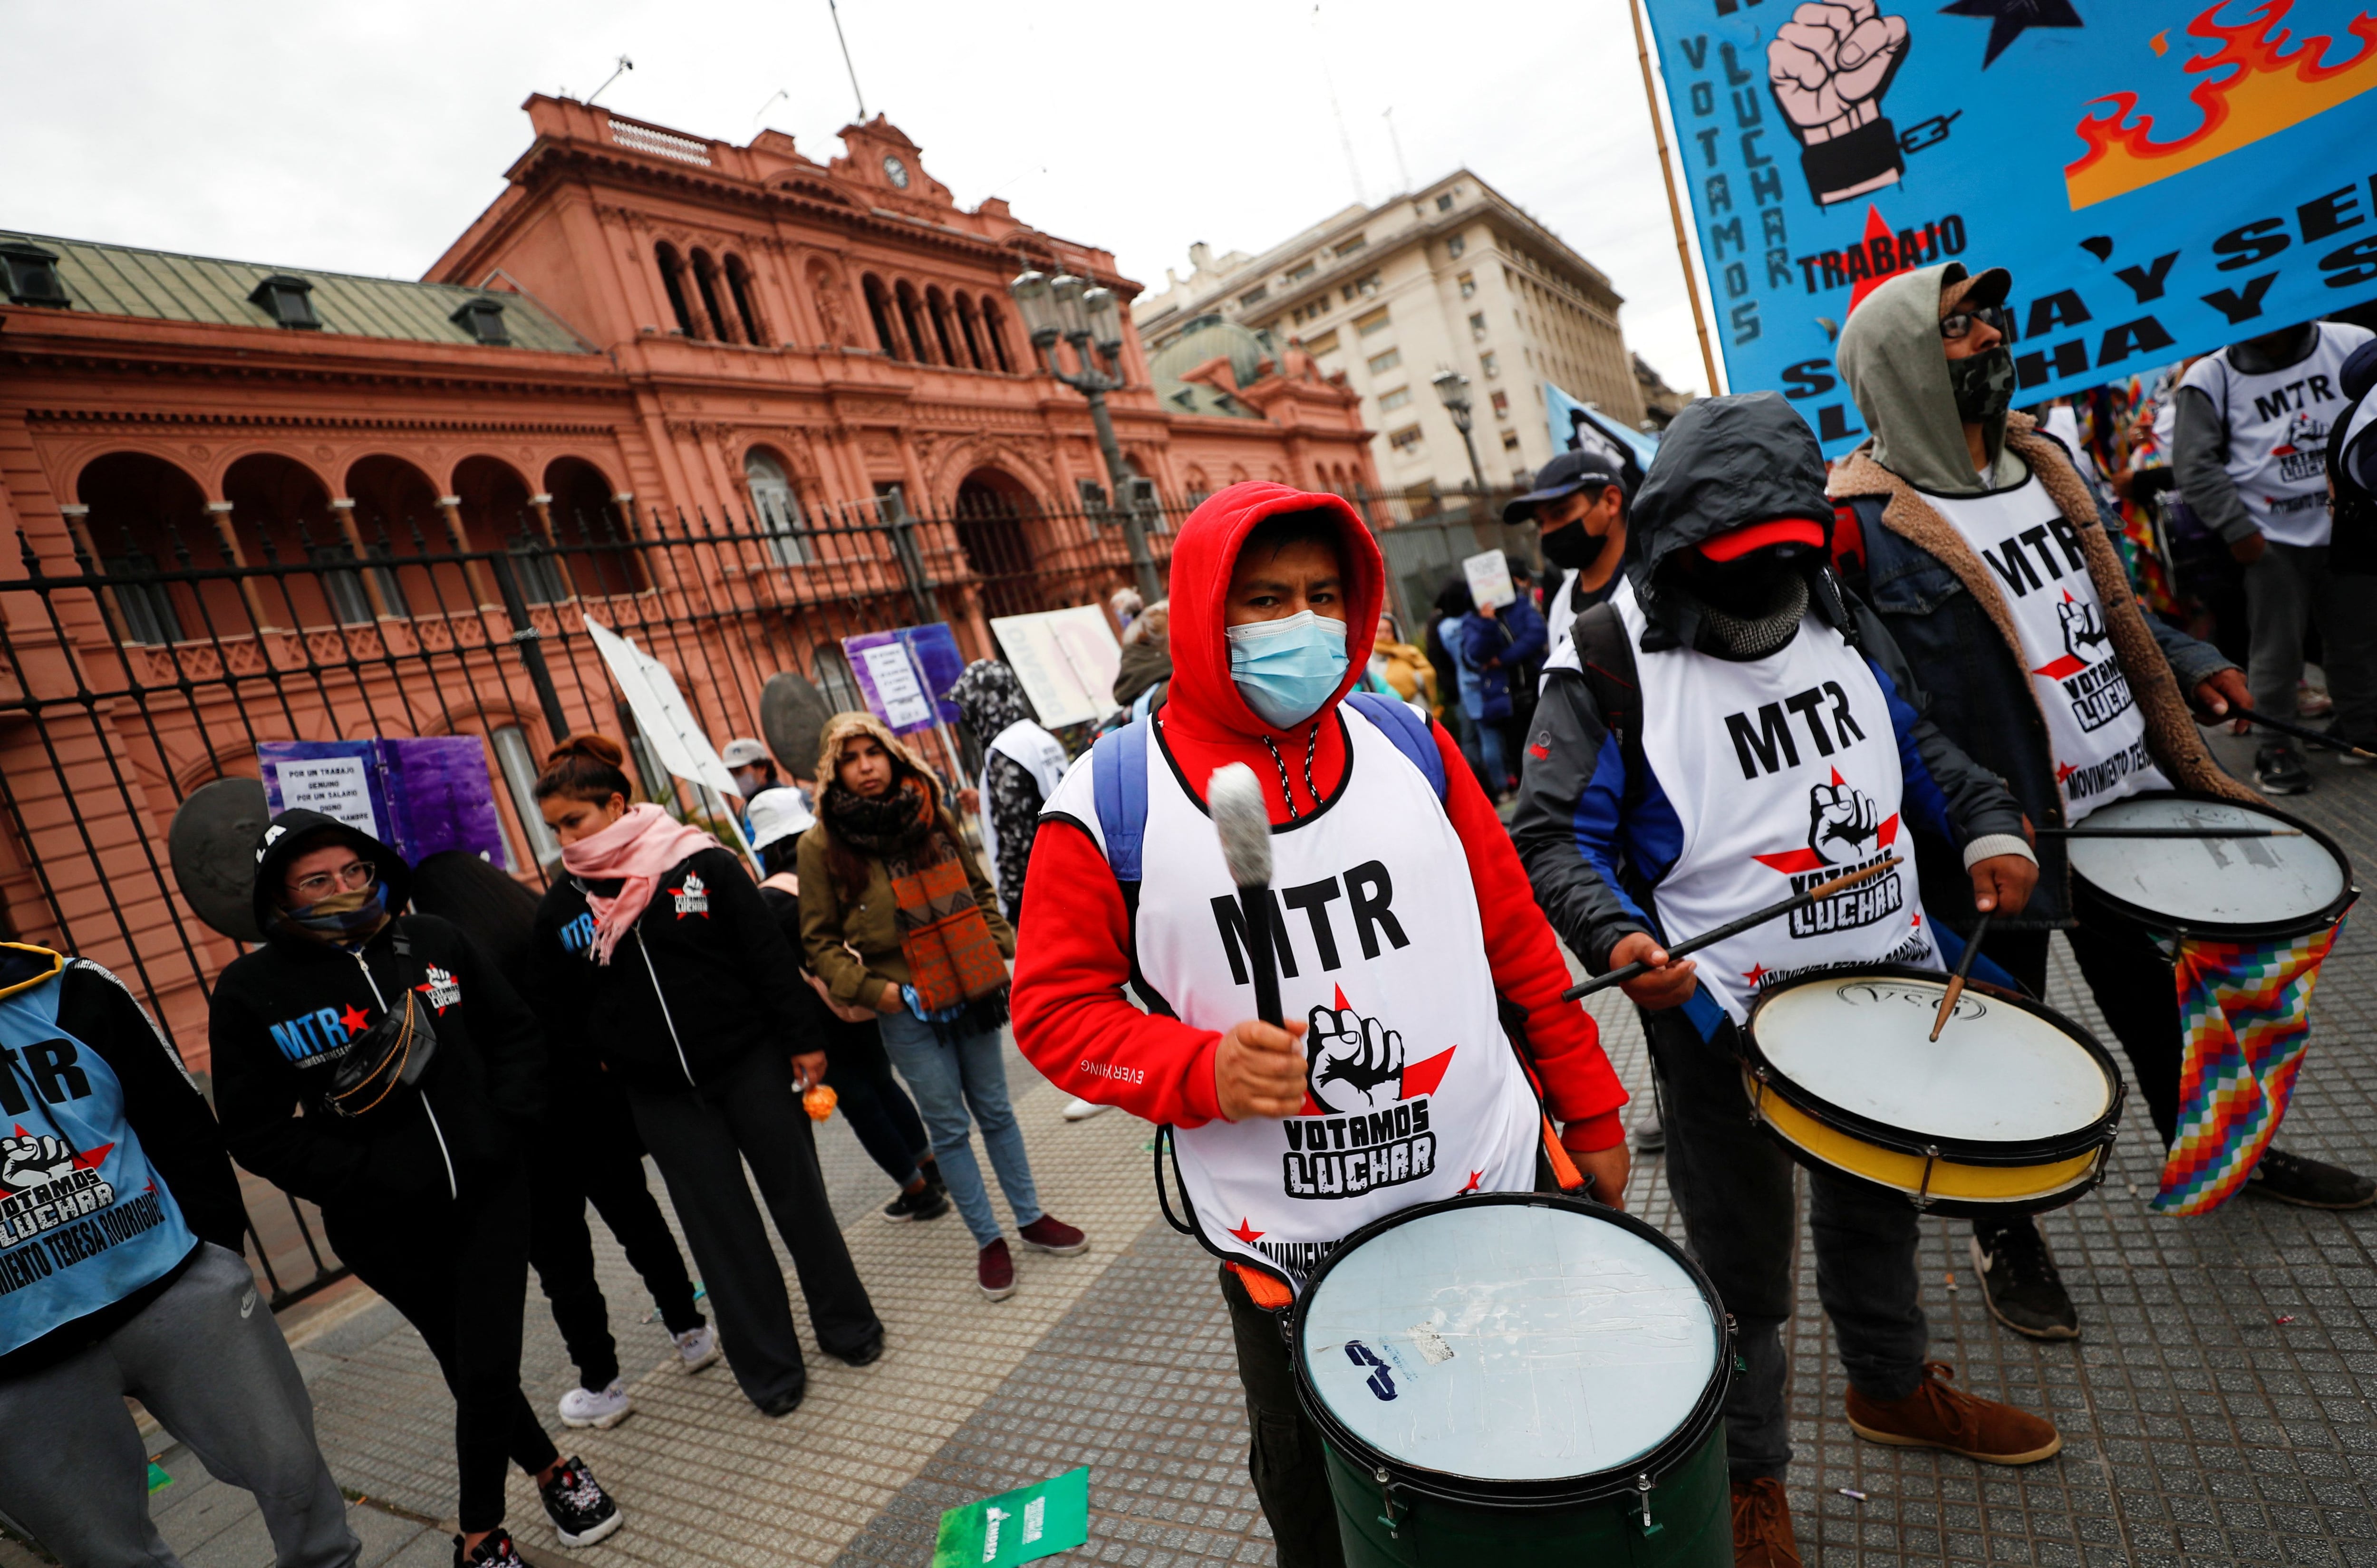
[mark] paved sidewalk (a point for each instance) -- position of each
(2216, 1410)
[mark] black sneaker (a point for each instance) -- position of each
(926, 1202)
(581, 1512)
(867, 1355)
(496, 1551)
(784, 1404)
(2309, 1184)
(2277, 770)
(2019, 1282)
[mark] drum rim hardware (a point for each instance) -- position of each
(1528, 1496)
(1804, 1122)
(2164, 923)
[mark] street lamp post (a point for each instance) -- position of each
(1065, 307)
(1452, 391)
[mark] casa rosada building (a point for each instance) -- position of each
(728, 399)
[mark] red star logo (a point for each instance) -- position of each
(1919, 923)
(2065, 770)
(1756, 974)
(355, 1021)
(89, 1159)
(1246, 1232)
(1475, 1177)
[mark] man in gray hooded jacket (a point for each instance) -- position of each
(1972, 535)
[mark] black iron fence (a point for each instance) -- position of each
(147, 653)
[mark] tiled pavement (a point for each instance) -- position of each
(2199, 1427)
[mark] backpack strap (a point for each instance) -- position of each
(1118, 780)
(1408, 731)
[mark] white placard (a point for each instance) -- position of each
(336, 786)
(1067, 660)
(894, 674)
(1489, 578)
(661, 711)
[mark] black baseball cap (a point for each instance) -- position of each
(1564, 475)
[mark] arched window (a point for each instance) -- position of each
(994, 328)
(878, 307)
(968, 328)
(705, 279)
(778, 514)
(738, 283)
(936, 302)
(672, 280)
(911, 321)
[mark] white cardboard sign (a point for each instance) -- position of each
(1489, 578)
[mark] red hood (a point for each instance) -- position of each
(1204, 700)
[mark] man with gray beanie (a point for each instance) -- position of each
(1972, 535)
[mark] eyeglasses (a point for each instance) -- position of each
(1960, 323)
(352, 877)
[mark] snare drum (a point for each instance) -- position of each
(2217, 889)
(1510, 1376)
(2011, 1111)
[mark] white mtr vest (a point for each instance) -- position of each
(1783, 772)
(2093, 722)
(2278, 429)
(1413, 1093)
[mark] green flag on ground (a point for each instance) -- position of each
(1016, 1526)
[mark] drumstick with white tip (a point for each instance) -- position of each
(2084, 832)
(1963, 972)
(2300, 732)
(1732, 928)
(1233, 795)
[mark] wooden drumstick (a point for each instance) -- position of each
(1963, 972)
(1731, 928)
(2085, 832)
(2300, 732)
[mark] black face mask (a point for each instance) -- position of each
(1572, 549)
(1983, 384)
(1747, 587)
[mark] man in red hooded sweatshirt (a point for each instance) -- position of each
(1403, 918)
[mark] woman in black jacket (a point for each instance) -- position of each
(416, 1164)
(662, 959)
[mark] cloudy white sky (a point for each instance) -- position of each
(362, 137)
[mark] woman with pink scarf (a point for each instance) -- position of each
(666, 965)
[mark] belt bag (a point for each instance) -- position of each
(397, 1050)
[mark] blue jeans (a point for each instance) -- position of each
(1489, 746)
(948, 1080)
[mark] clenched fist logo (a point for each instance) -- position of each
(1840, 823)
(30, 1161)
(1357, 1063)
(1829, 66)
(2084, 630)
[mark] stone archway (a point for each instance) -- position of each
(992, 512)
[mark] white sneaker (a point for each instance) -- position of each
(1082, 1109)
(589, 1408)
(697, 1348)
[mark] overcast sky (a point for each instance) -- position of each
(364, 137)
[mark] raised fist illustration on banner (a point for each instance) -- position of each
(1829, 66)
(2084, 630)
(1840, 823)
(1357, 1062)
(30, 1160)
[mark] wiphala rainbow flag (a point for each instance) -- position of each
(2244, 1016)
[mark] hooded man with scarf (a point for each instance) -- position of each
(1728, 728)
(420, 1076)
(1021, 762)
(662, 959)
(1982, 550)
(1406, 938)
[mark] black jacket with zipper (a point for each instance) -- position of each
(279, 1010)
(704, 978)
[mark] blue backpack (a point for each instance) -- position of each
(1118, 775)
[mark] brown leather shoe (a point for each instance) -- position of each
(1762, 1527)
(1937, 1416)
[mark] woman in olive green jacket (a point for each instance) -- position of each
(896, 915)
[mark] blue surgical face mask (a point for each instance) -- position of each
(1286, 669)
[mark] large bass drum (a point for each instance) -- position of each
(2216, 889)
(2011, 1111)
(1516, 1378)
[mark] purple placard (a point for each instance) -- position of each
(418, 795)
(912, 695)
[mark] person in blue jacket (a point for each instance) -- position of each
(1499, 648)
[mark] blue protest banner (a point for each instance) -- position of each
(1577, 426)
(2160, 176)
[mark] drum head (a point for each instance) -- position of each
(2212, 886)
(212, 846)
(792, 720)
(1523, 1340)
(1999, 1073)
